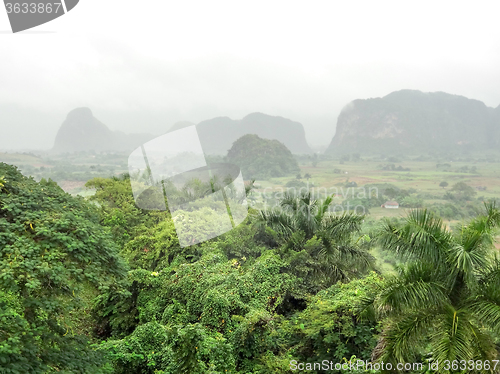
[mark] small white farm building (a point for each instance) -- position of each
(390, 205)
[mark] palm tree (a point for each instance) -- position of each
(444, 303)
(303, 222)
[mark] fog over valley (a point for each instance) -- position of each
(264, 187)
(229, 62)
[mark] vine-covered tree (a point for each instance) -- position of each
(54, 257)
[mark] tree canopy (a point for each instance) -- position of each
(53, 254)
(99, 285)
(444, 301)
(261, 158)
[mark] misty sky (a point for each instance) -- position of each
(142, 66)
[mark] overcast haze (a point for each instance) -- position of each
(142, 66)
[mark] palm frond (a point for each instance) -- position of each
(417, 287)
(489, 275)
(487, 311)
(342, 227)
(323, 207)
(489, 220)
(484, 346)
(453, 337)
(474, 239)
(330, 273)
(465, 263)
(342, 262)
(280, 222)
(422, 237)
(399, 339)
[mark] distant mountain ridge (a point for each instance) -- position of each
(410, 120)
(81, 131)
(217, 135)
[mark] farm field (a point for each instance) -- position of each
(418, 183)
(365, 183)
(422, 176)
(71, 172)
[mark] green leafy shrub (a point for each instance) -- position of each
(332, 326)
(52, 251)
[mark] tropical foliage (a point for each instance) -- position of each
(99, 285)
(54, 255)
(324, 243)
(444, 303)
